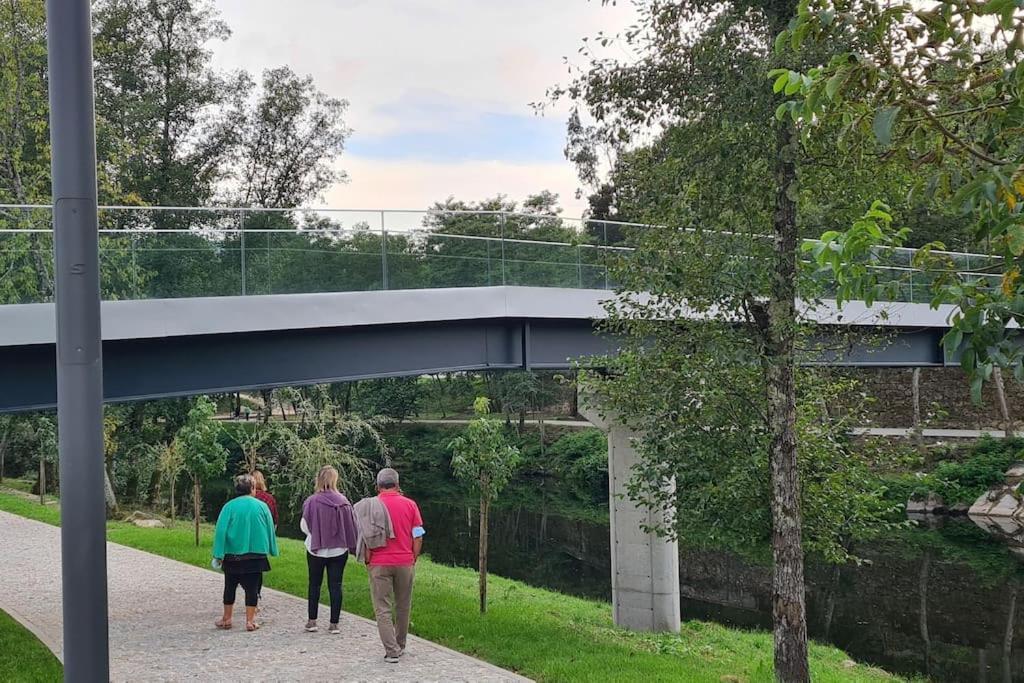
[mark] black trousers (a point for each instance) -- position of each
(335, 567)
(250, 583)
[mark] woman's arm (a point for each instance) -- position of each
(220, 535)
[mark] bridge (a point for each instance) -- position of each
(206, 301)
(213, 305)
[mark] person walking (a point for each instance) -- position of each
(330, 532)
(259, 489)
(243, 539)
(392, 565)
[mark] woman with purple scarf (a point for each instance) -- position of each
(330, 533)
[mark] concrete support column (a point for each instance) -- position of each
(645, 567)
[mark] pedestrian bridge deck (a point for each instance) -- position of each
(170, 347)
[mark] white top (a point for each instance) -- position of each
(323, 552)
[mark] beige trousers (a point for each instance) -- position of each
(392, 586)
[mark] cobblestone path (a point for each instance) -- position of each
(162, 614)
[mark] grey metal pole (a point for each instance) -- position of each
(383, 252)
(79, 355)
(241, 240)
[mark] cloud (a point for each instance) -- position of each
(416, 185)
(431, 82)
(430, 126)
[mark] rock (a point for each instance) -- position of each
(149, 523)
(930, 505)
(849, 664)
(145, 520)
(1001, 501)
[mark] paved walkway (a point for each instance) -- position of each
(162, 614)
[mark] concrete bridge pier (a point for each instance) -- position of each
(645, 566)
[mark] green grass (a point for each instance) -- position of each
(539, 633)
(33, 660)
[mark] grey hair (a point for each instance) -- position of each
(244, 484)
(387, 478)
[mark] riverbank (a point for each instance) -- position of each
(538, 633)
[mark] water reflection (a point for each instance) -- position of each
(942, 601)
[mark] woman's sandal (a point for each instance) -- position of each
(223, 625)
(251, 626)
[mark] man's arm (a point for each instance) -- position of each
(417, 546)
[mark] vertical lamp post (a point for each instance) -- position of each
(79, 358)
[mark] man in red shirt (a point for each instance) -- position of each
(392, 566)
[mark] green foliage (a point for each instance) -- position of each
(349, 443)
(204, 456)
(580, 460)
(943, 87)
(394, 397)
(482, 457)
(961, 479)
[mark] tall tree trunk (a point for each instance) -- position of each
(485, 506)
(108, 492)
(3, 452)
(42, 481)
(266, 395)
(915, 393)
(1004, 411)
(195, 505)
(788, 608)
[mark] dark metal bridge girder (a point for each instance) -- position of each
(136, 369)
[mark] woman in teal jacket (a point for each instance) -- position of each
(243, 540)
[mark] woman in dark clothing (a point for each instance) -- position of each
(243, 539)
(330, 532)
(259, 489)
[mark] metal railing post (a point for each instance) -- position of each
(270, 272)
(136, 280)
(383, 253)
(503, 249)
(241, 246)
(579, 265)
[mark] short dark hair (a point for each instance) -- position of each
(243, 485)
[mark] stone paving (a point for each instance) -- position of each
(162, 614)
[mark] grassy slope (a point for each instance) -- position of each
(34, 662)
(539, 633)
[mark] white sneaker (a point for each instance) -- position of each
(311, 626)
(391, 659)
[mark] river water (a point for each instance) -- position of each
(945, 602)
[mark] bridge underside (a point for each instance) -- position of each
(165, 348)
(177, 366)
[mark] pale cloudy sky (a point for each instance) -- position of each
(439, 90)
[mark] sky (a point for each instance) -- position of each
(439, 91)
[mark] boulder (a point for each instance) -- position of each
(932, 504)
(145, 520)
(149, 523)
(1001, 501)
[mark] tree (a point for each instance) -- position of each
(943, 86)
(393, 397)
(24, 151)
(326, 437)
(171, 463)
(168, 119)
(733, 184)
(289, 140)
(204, 457)
(483, 459)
